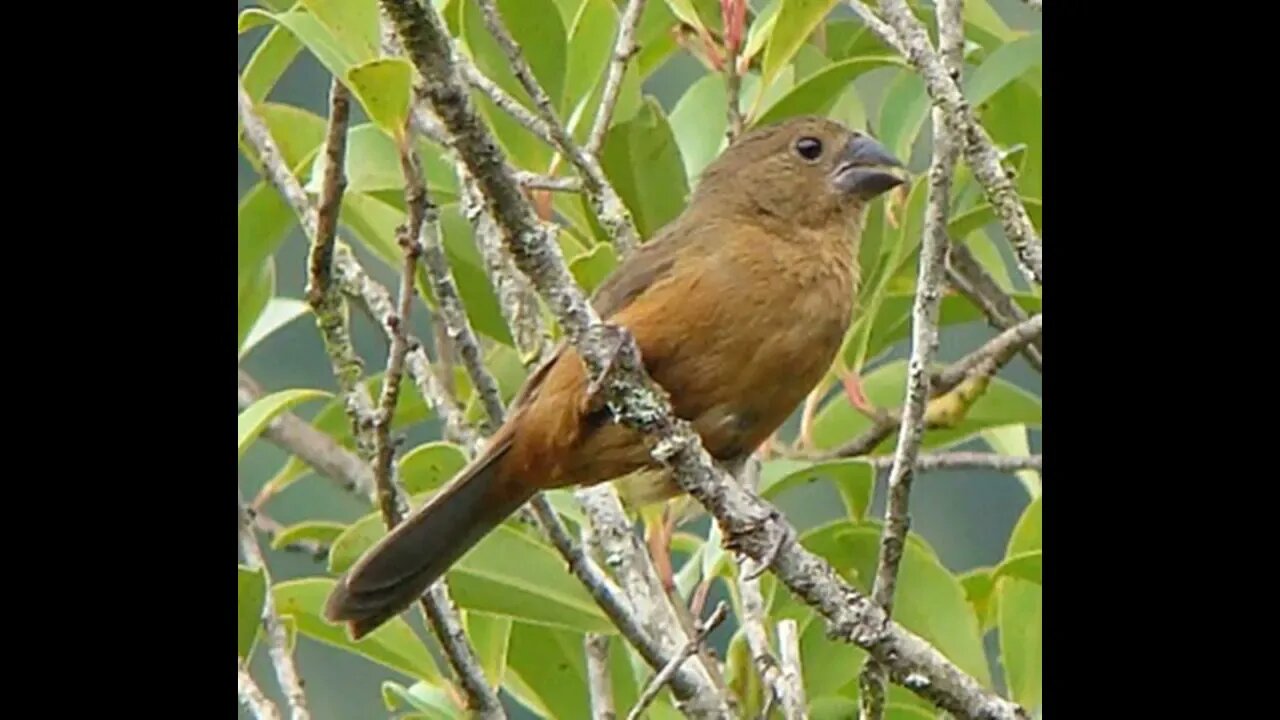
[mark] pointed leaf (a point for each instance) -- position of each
(642, 159)
(1002, 67)
(393, 645)
(432, 701)
(820, 91)
(250, 594)
(1020, 615)
(255, 294)
(268, 62)
(853, 479)
(257, 416)
(278, 313)
(382, 86)
(490, 635)
(795, 21)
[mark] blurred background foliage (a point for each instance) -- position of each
(669, 123)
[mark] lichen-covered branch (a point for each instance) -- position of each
(252, 697)
(276, 637)
(961, 460)
(753, 611)
(665, 674)
(794, 705)
(924, 345)
(599, 684)
(749, 524)
(606, 202)
(623, 49)
(911, 39)
(517, 301)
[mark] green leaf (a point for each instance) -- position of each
(929, 600)
(268, 62)
(430, 465)
(961, 225)
(1020, 614)
(490, 636)
(354, 25)
(373, 165)
(591, 268)
(699, 132)
(642, 159)
(255, 294)
(313, 34)
(382, 86)
(979, 588)
(393, 645)
(263, 218)
(538, 29)
(1007, 63)
(1013, 116)
(655, 39)
(793, 25)
(1025, 566)
(332, 420)
(432, 701)
(251, 592)
(684, 10)
(551, 670)
(818, 93)
(257, 416)
(1003, 403)
(591, 41)
(761, 29)
(313, 530)
(893, 321)
(903, 113)
(507, 574)
(853, 479)
(277, 313)
(980, 14)
(1012, 440)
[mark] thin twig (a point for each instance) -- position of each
(599, 684)
(965, 385)
(749, 524)
(979, 151)
(253, 698)
(753, 608)
(794, 706)
(924, 345)
(960, 460)
(606, 202)
(734, 15)
(315, 448)
(534, 181)
(664, 675)
(971, 279)
(623, 49)
(276, 637)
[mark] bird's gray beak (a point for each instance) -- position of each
(866, 168)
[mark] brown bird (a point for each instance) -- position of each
(738, 307)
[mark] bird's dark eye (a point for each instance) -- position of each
(810, 148)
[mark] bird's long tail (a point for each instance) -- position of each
(400, 568)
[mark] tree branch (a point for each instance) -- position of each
(664, 675)
(927, 462)
(794, 706)
(606, 202)
(276, 638)
(321, 452)
(599, 684)
(750, 525)
(253, 698)
(910, 38)
(623, 49)
(924, 345)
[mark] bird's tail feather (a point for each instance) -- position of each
(400, 568)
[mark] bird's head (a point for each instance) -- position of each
(805, 170)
